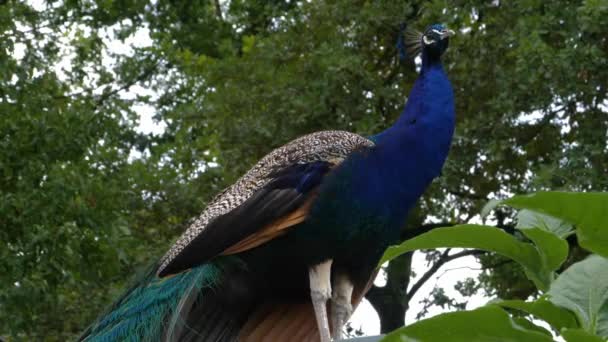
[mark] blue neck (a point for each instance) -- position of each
(373, 189)
(412, 152)
(431, 99)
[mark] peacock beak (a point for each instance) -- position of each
(447, 33)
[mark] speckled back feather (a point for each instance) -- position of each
(319, 146)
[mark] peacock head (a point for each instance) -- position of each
(432, 43)
(435, 40)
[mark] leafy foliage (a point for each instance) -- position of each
(580, 291)
(490, 323)
(583, 288)
(581, 209)
(480, 237)
(559, 318)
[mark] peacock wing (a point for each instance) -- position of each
(272, 196)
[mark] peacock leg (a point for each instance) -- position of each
(320, 292)
(341, 307)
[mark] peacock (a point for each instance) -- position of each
(287, 252)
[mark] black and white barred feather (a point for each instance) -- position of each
(325, 146)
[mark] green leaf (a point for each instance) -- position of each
(489, 323)
(580, 335)
(585, 210)
(531, 219)
(522, 322)
(552, 249)
(480, 237)
(583, 289)
(559, 318)
(493, 203)
(548, 235)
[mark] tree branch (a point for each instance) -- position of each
(443, 259)
(106, 95)
(407, 234)
(542, 124)
(466, 195)
(218, 10)
(109, 93)
(498, 264)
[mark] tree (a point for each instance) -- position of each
(233, 80)
(66, 186)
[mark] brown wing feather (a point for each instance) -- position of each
(273, 230)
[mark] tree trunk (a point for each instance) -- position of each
(390, 301)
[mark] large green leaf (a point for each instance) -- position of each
(532, 219)
(580, 335)
(587, 211)
(553, 250)
(480, 237)
(527, 324)
(583, 289)
(489, 323)
(559, 318)
(548, 235)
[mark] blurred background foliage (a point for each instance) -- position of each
(88, 197)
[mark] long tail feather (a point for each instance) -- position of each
(145, 311)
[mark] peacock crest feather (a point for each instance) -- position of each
(412, 39)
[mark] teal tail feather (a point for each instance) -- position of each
(151, 308)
